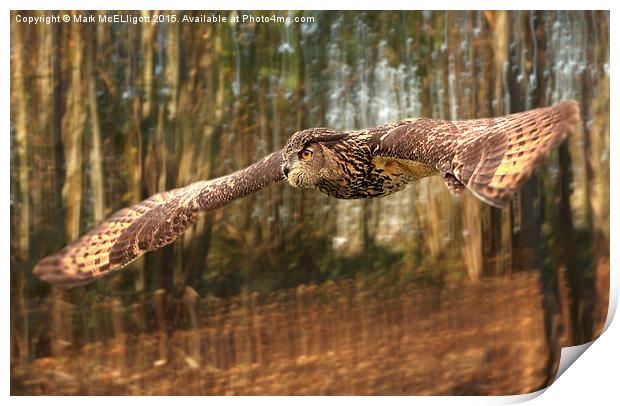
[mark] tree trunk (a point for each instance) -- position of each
(22, 197)
(96, 169)
(73, 122)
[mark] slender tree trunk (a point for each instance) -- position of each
(173, 56)
(73, 122)
(580, 273)
(20, 103)
(96, 168)
(148, 36)
(22, 197)
(56, 125)
(471, 244)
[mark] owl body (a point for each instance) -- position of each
(381, 177)
(348, 168)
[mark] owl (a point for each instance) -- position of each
(489, 157)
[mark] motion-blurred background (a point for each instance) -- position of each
(288, 291)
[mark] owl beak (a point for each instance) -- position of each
(286, 169)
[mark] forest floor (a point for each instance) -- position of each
(356, 336)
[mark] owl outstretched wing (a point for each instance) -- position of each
(150, 224)
(491, 157)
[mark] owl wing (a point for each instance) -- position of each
(150, 224)
(490, 157)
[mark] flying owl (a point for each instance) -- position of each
(490, 157)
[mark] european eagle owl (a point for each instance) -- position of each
(490, 157)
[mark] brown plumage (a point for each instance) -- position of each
(491, 157)
(150, 224)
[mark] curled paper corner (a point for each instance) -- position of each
(569, 355)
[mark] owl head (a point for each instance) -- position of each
(309, 157)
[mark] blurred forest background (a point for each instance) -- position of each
(289, 291)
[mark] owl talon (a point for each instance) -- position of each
(453, 184)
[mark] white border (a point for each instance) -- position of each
(593, 379)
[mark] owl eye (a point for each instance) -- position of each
(306, 154)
